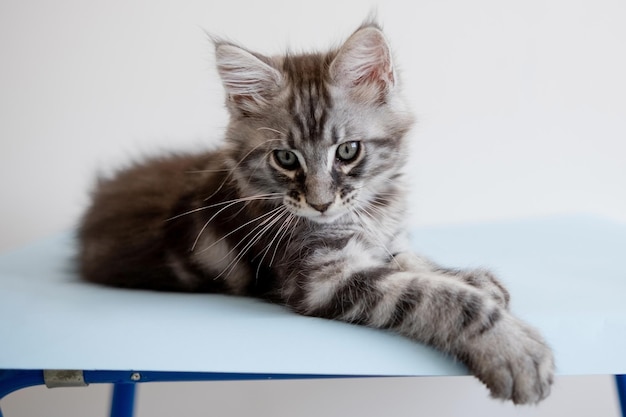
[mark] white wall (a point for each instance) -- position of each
(521, 105)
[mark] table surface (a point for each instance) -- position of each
(566, 276)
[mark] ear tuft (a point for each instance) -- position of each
(364, 64)
(248, 80)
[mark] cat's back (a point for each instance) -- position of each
(125, 223)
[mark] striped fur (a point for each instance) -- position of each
(304, 205)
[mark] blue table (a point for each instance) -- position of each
(566, 275)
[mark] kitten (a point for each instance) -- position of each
(304, 206)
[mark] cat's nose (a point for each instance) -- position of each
(320, 207)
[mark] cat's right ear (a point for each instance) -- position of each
(249, 81)
(364, 65)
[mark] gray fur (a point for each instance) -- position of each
(304, 205)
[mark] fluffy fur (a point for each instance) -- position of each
(304, 205)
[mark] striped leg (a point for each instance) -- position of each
(427, 306)
(480, 279)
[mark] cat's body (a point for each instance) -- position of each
(304, 206)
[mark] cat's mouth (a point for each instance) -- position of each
(329, 215)
(325, 218)
(325, 213)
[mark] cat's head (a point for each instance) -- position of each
(323, 131)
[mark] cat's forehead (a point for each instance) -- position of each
(312, 111)
(306, 69)
(309, 120)
(304, 110)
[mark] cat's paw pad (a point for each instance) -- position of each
(514, 363)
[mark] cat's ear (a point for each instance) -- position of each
(364, 65)
(249, 81)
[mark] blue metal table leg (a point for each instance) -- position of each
(621, 392)
(13, 380)
(123, 400)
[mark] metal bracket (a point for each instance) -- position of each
(57, 378)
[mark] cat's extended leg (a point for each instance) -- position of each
(506, 354)
(481, 279)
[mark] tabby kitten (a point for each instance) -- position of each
(304, 206)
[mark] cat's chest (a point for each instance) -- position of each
(378, 243)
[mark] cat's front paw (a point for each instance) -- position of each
(512, 360)
(485, 281)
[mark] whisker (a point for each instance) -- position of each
(236, 200)
(360, 213)
(202, 171)
(237, 166)
(264, 226)
(254, 230)
(209, 221)
(272, 130)
(269, 246)
(259, 164)
(287, 225)
(378, 210)
(256, 219)
(274, 221)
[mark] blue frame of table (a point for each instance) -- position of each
(122, 403)
(124, 383)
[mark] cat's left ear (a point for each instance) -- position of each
(364, 65)
(249, 80)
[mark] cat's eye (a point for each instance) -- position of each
(348, 151)
(286, 159)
